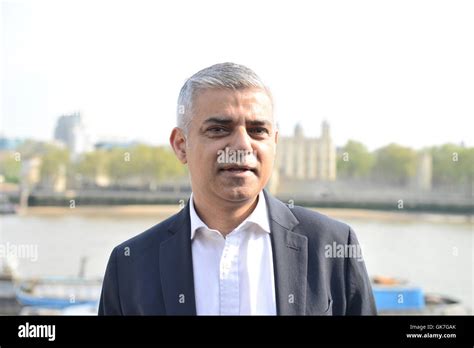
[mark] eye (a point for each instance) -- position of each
(217, 130)
(259, 131)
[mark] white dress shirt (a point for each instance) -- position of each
(234, 275)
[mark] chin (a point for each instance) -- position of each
(239, 194)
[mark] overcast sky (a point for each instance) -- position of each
(378, 71)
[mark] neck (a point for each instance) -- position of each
(223, 217)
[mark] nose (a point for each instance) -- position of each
(241, 140)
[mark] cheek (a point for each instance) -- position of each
(203, 160)
(266, 154)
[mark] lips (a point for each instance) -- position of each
(237, 169)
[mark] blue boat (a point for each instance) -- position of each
(397, 297)
(58, 292)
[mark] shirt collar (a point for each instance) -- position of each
(259, 216)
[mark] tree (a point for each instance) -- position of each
(93, 164)
(355, 161)
(53, 160)
(10, 168)
(138, 165)
(395, 164)
(452, 164)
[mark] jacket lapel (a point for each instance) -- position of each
(290, 259)
(176, 268)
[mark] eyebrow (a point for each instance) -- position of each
(228, 120)
(259, 123)
(219, 120)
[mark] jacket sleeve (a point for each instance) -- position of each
(360, 299)
(109, 303)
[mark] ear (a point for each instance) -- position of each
(178, 143)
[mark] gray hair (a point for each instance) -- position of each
(224, 75)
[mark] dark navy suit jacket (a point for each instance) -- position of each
(152, 273)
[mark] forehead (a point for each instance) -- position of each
(250, 103)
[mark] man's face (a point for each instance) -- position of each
(231, 143)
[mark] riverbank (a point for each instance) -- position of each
(162, 211)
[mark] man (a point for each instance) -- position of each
(234, 249)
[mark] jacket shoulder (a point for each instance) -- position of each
(151, 236)
(313, 223)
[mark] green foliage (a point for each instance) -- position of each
(452, 164)
(355, 162)
(54, 160)
(10, 168)
(145, 165)
(92, 164)
(395, 164)
(148, 164)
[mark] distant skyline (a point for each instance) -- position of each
(377, 71)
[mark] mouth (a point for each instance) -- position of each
(235, 169)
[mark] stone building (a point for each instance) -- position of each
(306, 158)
